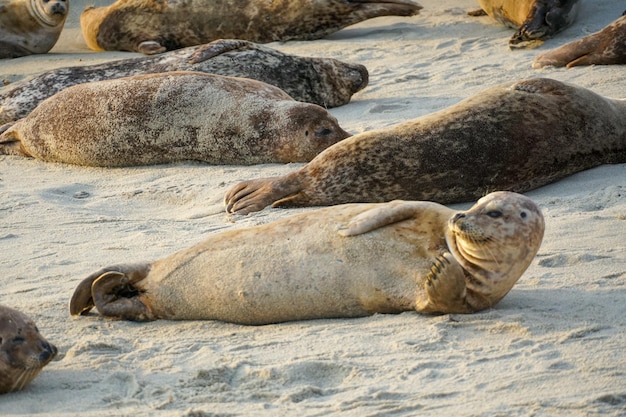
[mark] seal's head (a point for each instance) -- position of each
(49, 12)
(23, 351)
(495, 241)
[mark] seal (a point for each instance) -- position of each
(154, 26)
(513, 137)
(323, 81)
(344, 261)
(175, 116)
(30, 26)
(23, 351)
(605, 47)
(535, 20)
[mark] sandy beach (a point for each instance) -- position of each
(554, 346)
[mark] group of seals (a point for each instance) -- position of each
(516, 136)
(175, 116)
(323, 81)
(154, 26)
(23, 351)
(30, 26)
(344, 261)
(535, 20)
(605, 47)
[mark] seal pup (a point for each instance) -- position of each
(605, 47)
(516, 136)
(168, 117)
(323, 81)
(30, 26)
(535, 20)
(23, 351)
(344, 261)
(154, 26)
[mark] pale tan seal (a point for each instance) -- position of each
(324, 81)
(515, 137)
(535, 20)
(344, 261)
(30, 26)
(23, 351)
(154, 26)
(168, 117)
(605, 47)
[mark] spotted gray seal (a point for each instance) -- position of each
(516, 136)
(605, 47)
(323, 81)
(535, 20)
(344, 261)
(154, 26)
(174, 116)
(23, 350)
(30, 26)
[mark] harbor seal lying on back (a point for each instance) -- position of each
(606, 47)
(23, 351)
(323, 81)
(516, 136)
(344, 261)
(30, 26)
(154, 26)
(535, 20)
(175, 116)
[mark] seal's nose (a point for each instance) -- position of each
(49, 351)
(58, 8)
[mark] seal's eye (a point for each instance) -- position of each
(323, 132)
(18, 340)
(494, 214)
(523, 214)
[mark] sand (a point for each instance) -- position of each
(554, 346)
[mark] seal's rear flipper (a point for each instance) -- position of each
(113, 293)
(115, 296)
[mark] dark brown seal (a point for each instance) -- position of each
(23, 351)
(606, 47)
(323, 81)
(345, 261)
(172, 116)
(30, 26)
(515, 136)
(535, 20)
(154, 26)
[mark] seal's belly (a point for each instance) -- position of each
(267, 275)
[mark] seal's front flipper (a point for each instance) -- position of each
(445, 288)
(150, 48)
(218, 47)
(383, 215)
(10, 144)
(477, 13)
